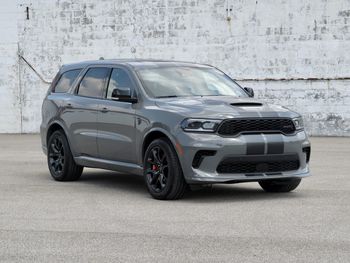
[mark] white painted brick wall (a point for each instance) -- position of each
(270, 39)
(325, 105)
(10, 114)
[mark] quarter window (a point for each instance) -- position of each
(93, 83)
(66, 81)
(119, 80)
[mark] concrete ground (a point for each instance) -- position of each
(108, 216)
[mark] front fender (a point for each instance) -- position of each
(156, 129)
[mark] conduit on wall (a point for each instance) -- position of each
(35, 71)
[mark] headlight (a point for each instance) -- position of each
(200, 125)
(298, 123)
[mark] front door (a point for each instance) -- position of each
(116, 121)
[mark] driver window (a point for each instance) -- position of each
(119, 80)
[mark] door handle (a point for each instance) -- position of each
(69, 106)
(104, 110)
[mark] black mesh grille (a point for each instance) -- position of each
(259, 164)
(236, 126)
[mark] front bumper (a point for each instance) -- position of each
(243, 145)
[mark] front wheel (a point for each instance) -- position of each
(60, 159)
(162, 171)
(279, 185)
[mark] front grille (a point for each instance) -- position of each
(258, 125)
(259, 164)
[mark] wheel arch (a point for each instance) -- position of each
(153, 135)
(52, 128)
(55, 126)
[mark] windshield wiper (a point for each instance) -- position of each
(168, 96)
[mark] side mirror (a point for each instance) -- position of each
(123, 94)
(249, 91)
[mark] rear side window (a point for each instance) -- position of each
(66, 81)
(93, 83)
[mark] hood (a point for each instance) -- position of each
(223, 107)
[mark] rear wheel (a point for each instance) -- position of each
(279, 185)
(60, 160)
(162, 171)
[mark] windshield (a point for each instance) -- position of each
(188, 81)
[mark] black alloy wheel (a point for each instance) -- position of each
(157, 169)
(162, 171)
(56, 156)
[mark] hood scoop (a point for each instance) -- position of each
(247, 104)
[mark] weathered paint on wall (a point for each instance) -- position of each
(10, 114)
(325, 105)
(250, 40)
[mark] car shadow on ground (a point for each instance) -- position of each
(219, 192)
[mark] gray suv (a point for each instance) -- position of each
(178, 124)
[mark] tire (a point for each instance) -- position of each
(162, 171)
(279, 186)
(60, 159)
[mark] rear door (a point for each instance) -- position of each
(83, 108)
(116, 121)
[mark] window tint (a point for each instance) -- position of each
(93, 83)
(119, 80)
(66, 81)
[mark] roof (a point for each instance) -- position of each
(135, 63)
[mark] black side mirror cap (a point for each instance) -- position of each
(124, 95)
(121, 92)
(249, 91)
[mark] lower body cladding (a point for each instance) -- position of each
(209, 158)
